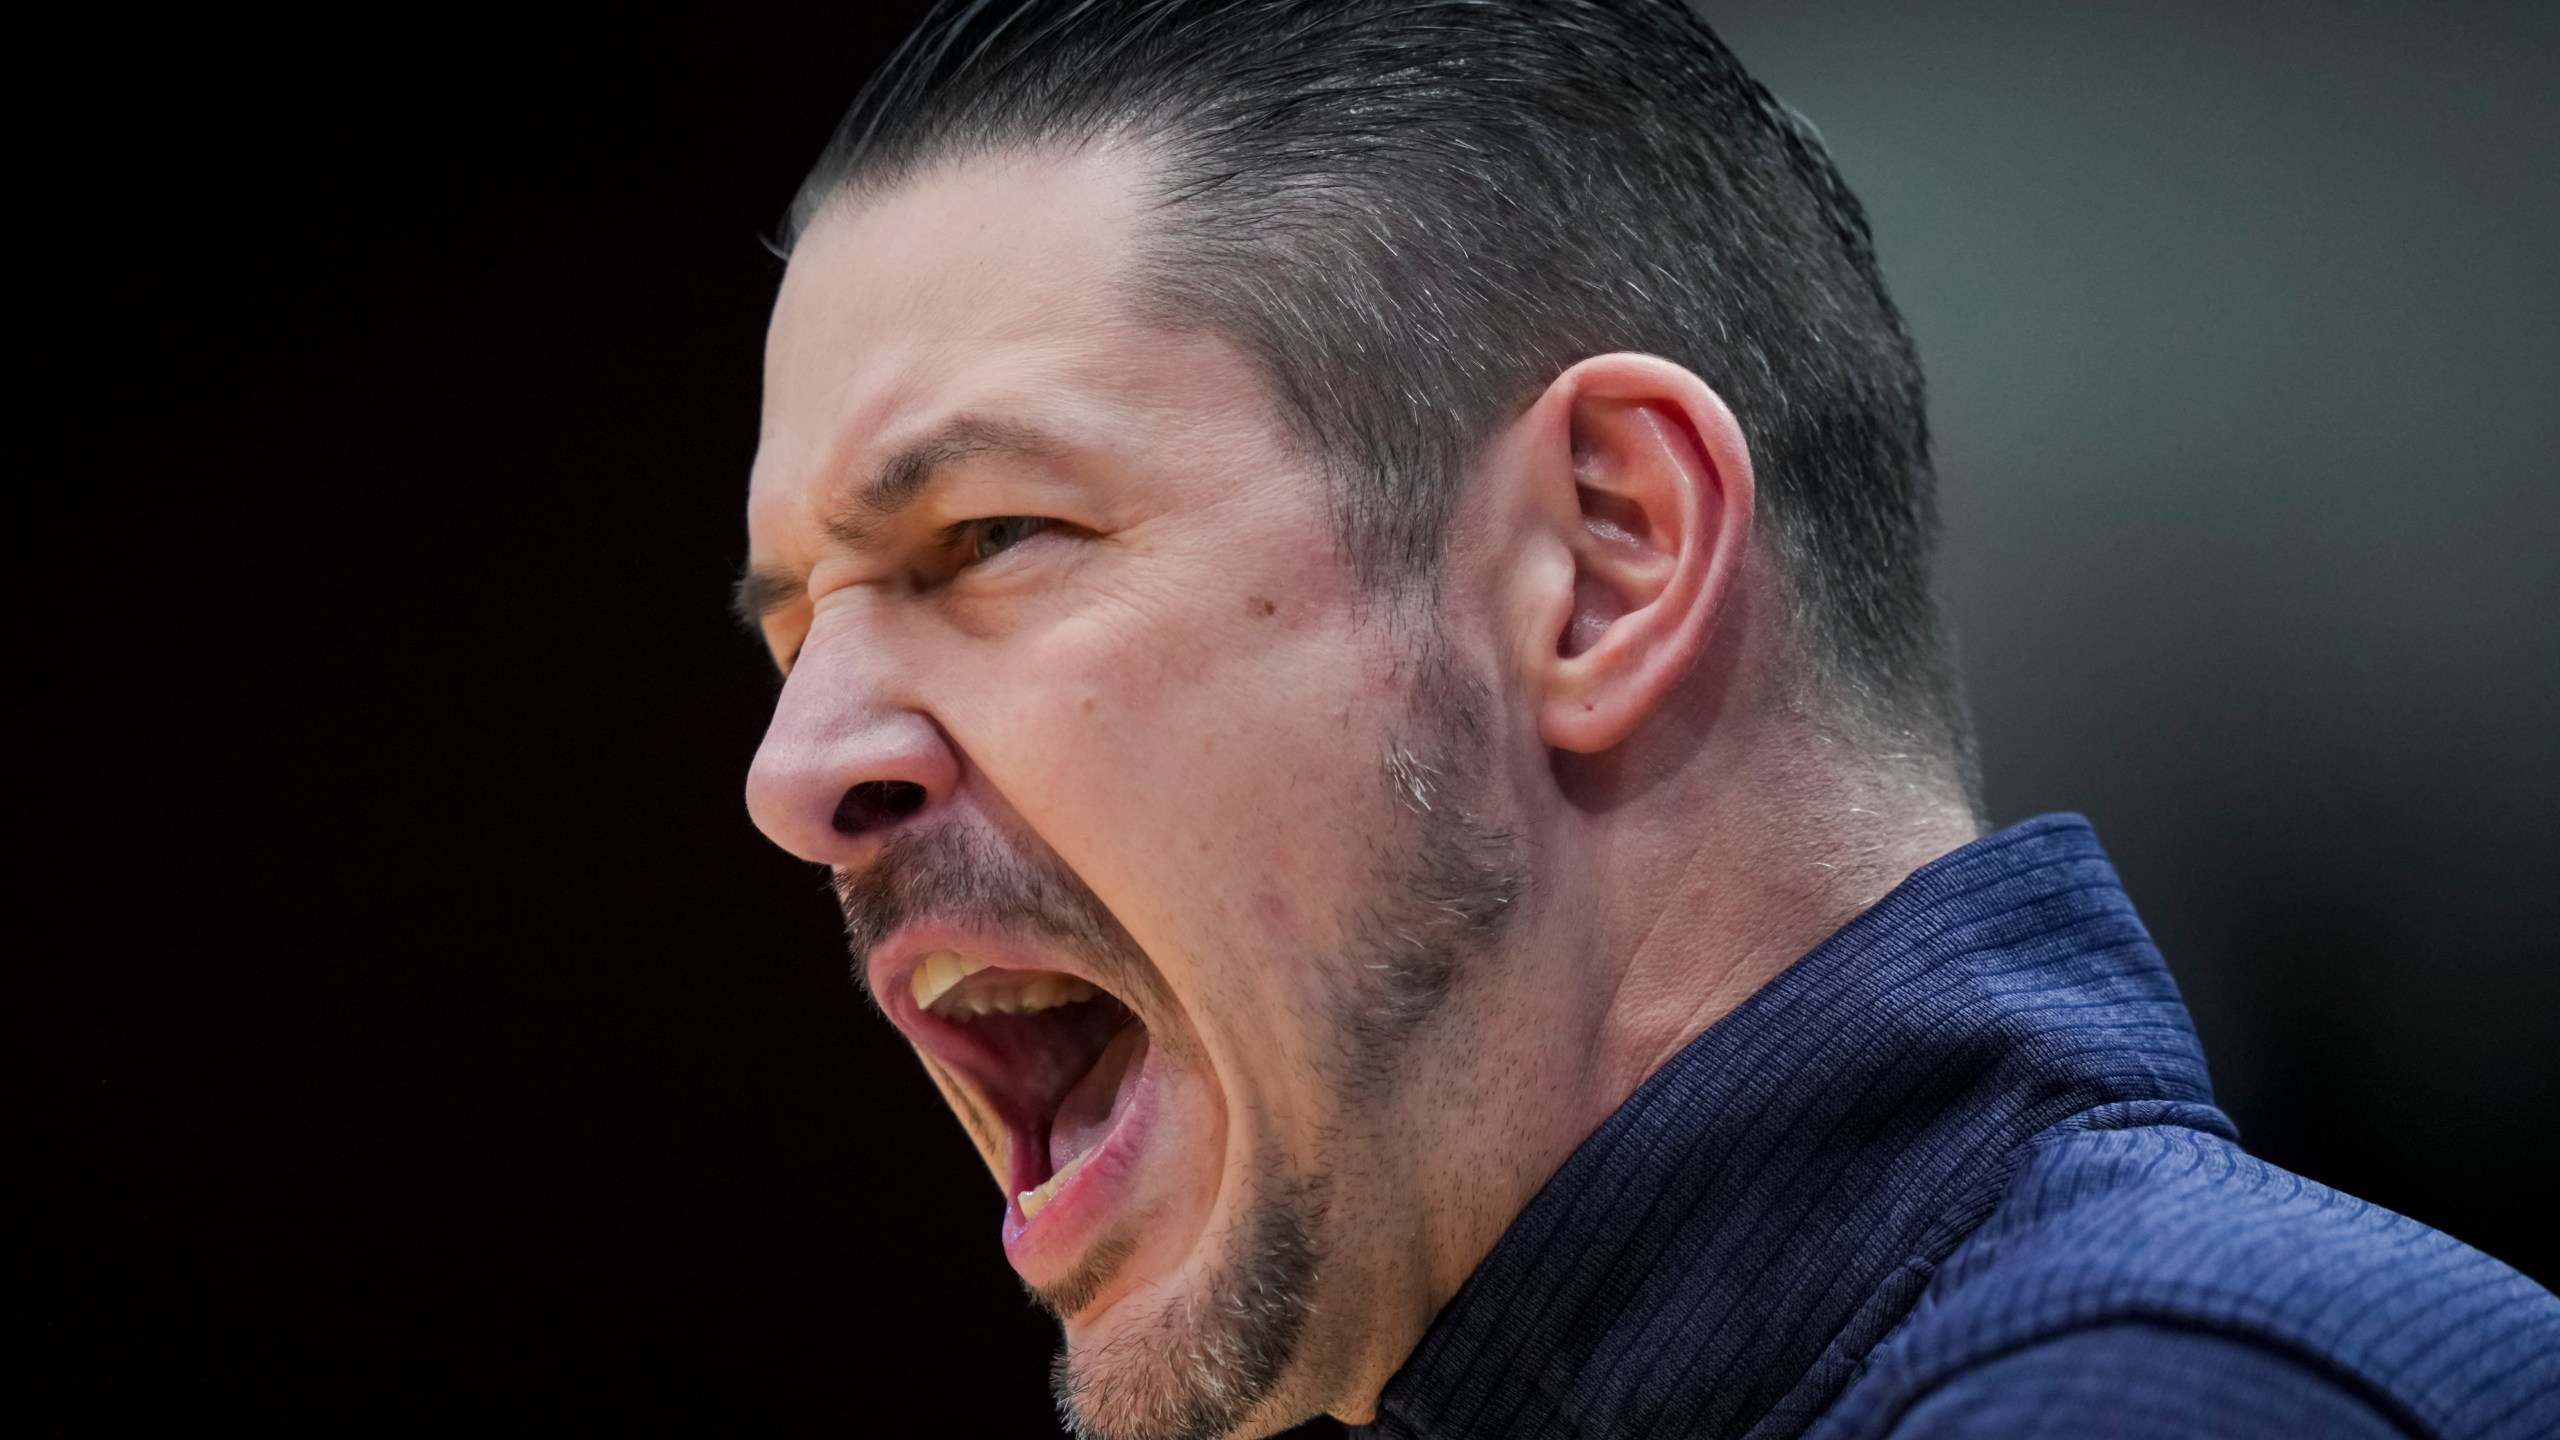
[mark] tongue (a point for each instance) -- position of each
(1085, 1116)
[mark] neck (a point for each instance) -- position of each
(1736, 867)
(1685, 871)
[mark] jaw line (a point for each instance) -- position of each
(1263, 1267)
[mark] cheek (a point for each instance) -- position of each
(1216, 787)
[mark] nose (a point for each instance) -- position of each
(843, 763)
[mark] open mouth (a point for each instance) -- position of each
(1052, 1060)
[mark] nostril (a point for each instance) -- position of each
(876, 804)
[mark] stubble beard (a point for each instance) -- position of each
(1446, 881)
(1205, 1361)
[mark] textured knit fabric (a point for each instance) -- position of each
(2149, 1382)
(1914, 1184)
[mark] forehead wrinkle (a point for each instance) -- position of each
(902, 479)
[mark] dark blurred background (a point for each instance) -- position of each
(414, 1034)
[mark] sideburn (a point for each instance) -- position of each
(1449, 878)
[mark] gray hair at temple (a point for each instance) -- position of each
(1416, 213)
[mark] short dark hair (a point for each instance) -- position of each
(1416, 213)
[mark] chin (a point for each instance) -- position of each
(1207, 1352)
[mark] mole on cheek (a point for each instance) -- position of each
(1260, 608)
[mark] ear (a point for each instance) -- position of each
(1640, 479)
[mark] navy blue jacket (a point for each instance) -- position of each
(1958, 1172)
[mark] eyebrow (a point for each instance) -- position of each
(899, 482)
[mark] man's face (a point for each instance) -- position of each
(1158, 838)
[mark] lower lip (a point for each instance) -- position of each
(1047, 1247)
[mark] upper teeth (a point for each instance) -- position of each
(1017, 992)
(940, 971)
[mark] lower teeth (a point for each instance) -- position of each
(1035, 1201)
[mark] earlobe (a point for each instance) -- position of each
(1656, 479)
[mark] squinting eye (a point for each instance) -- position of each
(997, 533)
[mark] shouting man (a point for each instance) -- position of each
(1354, 583)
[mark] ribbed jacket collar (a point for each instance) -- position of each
(1719, 1255)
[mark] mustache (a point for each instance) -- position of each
(962, 874)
